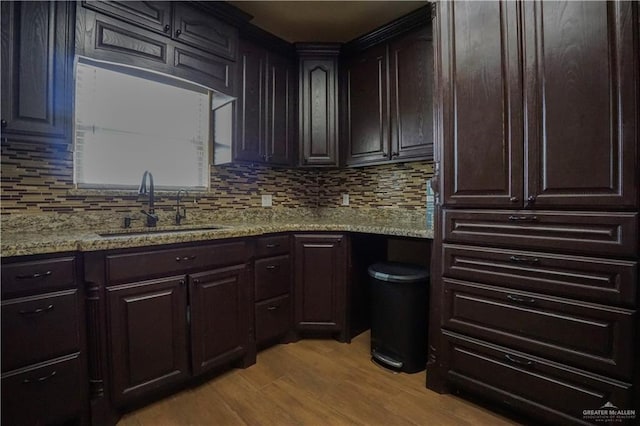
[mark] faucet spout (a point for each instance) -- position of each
(152, 218)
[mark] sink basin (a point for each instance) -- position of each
(157, 231)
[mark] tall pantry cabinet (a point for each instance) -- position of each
(534, 287)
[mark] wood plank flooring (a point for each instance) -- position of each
(313, 382)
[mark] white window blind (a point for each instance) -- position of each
(128, 121)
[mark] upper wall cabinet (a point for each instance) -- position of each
(265, 106)
(577, 145)
(201, 48)
(37, 64)
(318, 104)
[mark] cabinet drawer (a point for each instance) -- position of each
(586, 278)
(591, 336)
(35, 276)
(273, 318)
(147, 264)
(48, 393)
(614, 234)
(542, 388)
(272, 277)
(37, 328)
(272, 245)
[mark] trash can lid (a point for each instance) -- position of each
(396, 272)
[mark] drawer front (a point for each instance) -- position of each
(542, 388)
(49, 393)
(272, 277)
(39, 275)
(590, 336)
(593, 279)
(272, 245)
(273, 318)
(39, 327)
(614, 234)
(147, 264)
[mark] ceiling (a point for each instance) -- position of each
(324, 21)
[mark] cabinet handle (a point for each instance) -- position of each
(182, 282)
(272, 308)
(37, 311)
(530, 260)
(530, 201)
(272, 267)
(514, 199)
(274, 245)
(39, 379)
(523, 218)
(184, 258)
(34, 276)
(178, 32)
(167, 28)
(196, 281)
(517, 299)
(526, 363)
(3, 123)
(394, 154)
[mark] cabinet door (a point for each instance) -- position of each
(219, 303)
(411, 95)
(367, 115)
(250, 142)
(279, 108)
(37, 68)
(320, 282)
(154, 15)
(581, 99)
(199, 29)
(318, 112)
(148, 336)
(480, 95)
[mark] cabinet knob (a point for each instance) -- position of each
(178, 32)
(531, 200)
(167, 28)
(514, 199)
(394, 154)
(181, 282)
(3, 123)
(196, 281)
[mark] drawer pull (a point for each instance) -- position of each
(518, 299)
(37, 311)
(523, 218)
(529, 260)
(272, 308)
(272, 267)
(511, 359)
(273, 245)
(184, 258)
(39, 379)
(34, 276)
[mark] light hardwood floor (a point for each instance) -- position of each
(313, 382)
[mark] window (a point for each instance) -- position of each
(129, 120)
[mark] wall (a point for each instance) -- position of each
(38, 178)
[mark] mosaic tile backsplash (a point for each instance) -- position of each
(38, 178)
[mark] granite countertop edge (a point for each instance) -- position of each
(25, 243)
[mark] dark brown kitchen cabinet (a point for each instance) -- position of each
(153, 15)
(44, 367)
(147, 323)
(219, 316)
(388, 94)
(537, 168)
(320, 288)
(576, 147)
(37, 70)
(318, 104)
(265, 106)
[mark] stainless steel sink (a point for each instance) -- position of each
(158, 231)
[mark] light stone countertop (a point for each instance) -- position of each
(16, 242)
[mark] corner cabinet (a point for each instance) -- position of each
(321, 270)
(37, 70)
(535, 274)
(265, 106)
(318, 104)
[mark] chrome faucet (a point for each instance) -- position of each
(183, 215)
(152, 217)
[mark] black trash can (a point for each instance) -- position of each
(399, 300)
